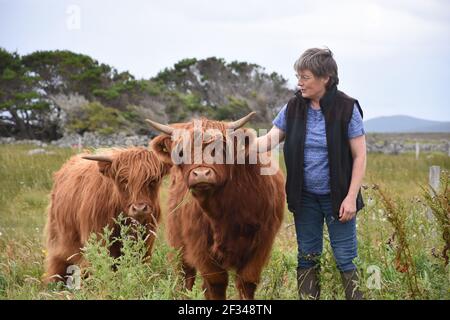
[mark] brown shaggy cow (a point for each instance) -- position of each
(88, 195)
(231, 220)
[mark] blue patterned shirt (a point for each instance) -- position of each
(315, 166)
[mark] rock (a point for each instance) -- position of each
(38, 151)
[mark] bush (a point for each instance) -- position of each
(96, 117)
(133, 275)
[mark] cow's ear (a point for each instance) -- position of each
(105, 168)
(104, 163)
(162, 146)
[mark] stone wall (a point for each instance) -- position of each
(399, 146)
(87, 140)
(390, 145)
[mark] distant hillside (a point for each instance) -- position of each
(405, 124)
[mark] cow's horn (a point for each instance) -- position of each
(239, 123)
(98, 157)
(160, 127)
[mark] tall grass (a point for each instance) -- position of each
(397, 216)
(26, 182)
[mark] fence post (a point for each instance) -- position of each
(417, 150)
(433, 181)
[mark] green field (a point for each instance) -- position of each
(410, 262)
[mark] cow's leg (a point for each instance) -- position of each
(215, 281)
(189, 275)
(245, 288)
(59, 259)
(248, 277)
(115, 251)
(56, 268)
(115, 247)
(189, 272)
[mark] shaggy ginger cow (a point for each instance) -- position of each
(89, 192)
(233, 216)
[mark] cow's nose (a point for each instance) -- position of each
(139, 208)
(201, 176)
(202, 173)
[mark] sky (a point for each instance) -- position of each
(393, 55)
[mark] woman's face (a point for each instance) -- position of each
(311, 87)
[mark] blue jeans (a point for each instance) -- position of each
(309, 228)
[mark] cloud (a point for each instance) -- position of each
(399, 48)
(355, 28)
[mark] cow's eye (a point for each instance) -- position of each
(179, 150)
(213, 153)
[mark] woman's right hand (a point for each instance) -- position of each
(270, 140)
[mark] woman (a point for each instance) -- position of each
(325, 156)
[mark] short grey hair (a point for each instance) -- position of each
(320, 62)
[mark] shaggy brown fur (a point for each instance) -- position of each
(231, 226)
(87, 195)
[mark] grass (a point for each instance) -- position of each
(394, 233)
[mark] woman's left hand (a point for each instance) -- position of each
(348, 209)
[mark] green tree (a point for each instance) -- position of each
(22, 113)
(66, 72)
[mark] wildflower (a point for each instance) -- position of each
(401, 267)
(434, 253)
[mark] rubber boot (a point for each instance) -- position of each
(308, 283)
(350, 283)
